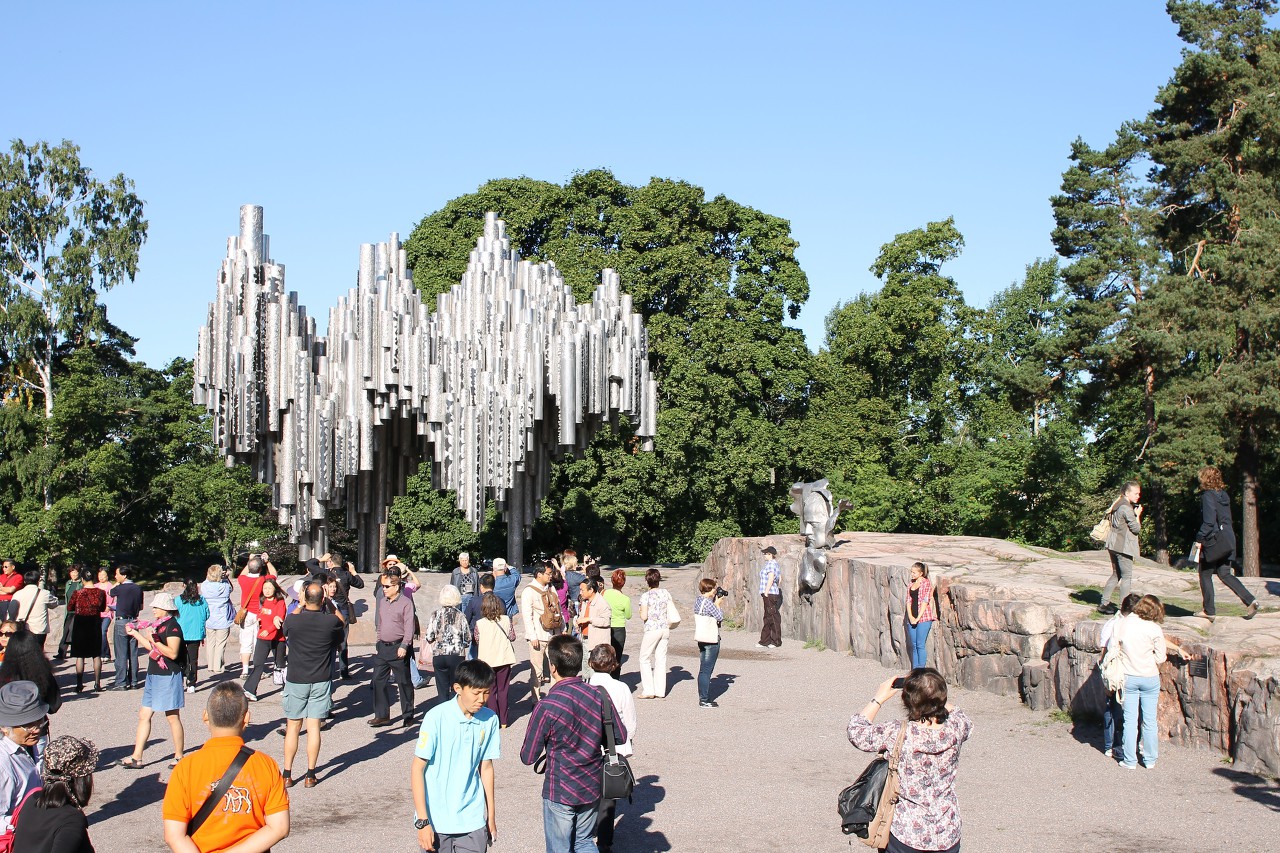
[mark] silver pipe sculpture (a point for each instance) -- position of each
(507, 374)
(818, 515)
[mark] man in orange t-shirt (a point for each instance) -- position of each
(255, 811)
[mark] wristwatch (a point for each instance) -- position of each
(421, 823)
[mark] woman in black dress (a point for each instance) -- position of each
(85, 606)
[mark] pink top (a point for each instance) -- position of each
(106, 587)
(925, 612)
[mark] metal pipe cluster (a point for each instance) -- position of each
(508, 373)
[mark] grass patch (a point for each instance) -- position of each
(815, 644)
(1060, 716)
(636, 573)
(731, 624)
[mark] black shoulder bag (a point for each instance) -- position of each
(219, 791)
(619, 781)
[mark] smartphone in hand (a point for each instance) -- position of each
(898, 682)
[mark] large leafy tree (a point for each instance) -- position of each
(716, 282)
(65, 237)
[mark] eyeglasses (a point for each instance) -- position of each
(38, 726)
(389, 585)
(7, 633)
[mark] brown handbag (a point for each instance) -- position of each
(882, 823)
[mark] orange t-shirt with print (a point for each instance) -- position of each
(257, 791)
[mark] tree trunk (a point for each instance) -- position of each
(46, 382)
(1247, 460)
(1155, 492)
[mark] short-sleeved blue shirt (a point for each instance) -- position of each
(453, 745)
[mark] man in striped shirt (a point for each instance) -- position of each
(568, 726)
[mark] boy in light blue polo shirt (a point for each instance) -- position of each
(453, 767)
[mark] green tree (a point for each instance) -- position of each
(1214, 139)
(65, 236)
(1106, 222)
(716, 282)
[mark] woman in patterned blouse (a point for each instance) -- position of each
(450, 636)
(927, 816)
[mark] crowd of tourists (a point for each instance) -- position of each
(574, 621)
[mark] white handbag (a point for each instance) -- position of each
(705, 629)
(673, 614)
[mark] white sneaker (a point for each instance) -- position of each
(761, 646)
(191, 688)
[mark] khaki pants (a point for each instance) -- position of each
(538, 671)
(216, 638)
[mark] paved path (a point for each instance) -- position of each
(760, 773)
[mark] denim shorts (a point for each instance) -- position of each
(307, 701)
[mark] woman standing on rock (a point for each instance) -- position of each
(1142, 648)
(1217, 540)
(1122, 543)
(920, 613)
(927, 816)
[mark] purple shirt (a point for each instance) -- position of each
(395, 623)
(569, 724)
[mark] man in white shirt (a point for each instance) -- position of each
(603, 660)
(32, 604)
(532, 606)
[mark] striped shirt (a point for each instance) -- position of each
(568, 724)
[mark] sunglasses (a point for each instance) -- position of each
(7, 633)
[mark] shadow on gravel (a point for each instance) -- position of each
(1251, 787)
(634, 833)
(381, 742)
(141, 792)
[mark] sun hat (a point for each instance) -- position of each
(391, 558)
(20, 704)
(164, 601)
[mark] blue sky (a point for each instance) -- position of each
(855, 121)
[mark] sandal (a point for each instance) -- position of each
(174, 762)
(130, 763)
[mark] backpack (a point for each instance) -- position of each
(1112, 669)
(552, 619)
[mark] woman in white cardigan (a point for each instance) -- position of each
(494, 637)
(1142, 648)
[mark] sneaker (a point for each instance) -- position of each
(761, 646)
(776, 646)
(191, 688)
(250, 696)
(1124, 766)
(707, 704)
(1251, 611)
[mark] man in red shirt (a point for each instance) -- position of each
(10, 582)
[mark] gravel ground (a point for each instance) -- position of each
(759, 773)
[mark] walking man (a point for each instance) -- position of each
(537, 600)
(391, 655)
(128, 596)
(771, 595)
(568, 725)
(452, 778)
(254, 813)
(314, 637)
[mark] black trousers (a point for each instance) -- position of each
(66, 631)
(193, 661)
(444, 667)
(1223, 570)
(771, 630)
(618, 639)
(261, 649)
(386, 665)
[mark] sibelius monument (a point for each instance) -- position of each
(508, 373)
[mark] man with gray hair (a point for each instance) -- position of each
(466, 579)
(314, 636)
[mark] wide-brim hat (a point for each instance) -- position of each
(20, 704)
(391, 558)
(164, 601)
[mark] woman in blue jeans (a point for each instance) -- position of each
(920, 614)
(707, 617)
(1142, 647)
